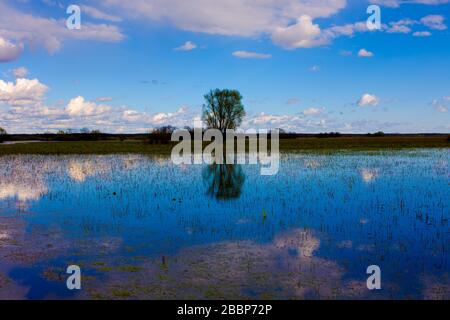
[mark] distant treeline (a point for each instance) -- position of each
(74, 137)
(163, 136)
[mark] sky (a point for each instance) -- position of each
(301, 65)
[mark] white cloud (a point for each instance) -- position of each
(8, 50)
(314, 69)
(368, 100)
(422, 34)
(22, 92)
(348, 29)
(269, 121)
(24, 111)
(363, 53)
(246, 18)
(401, 26)
(441, 105)
(98, 14)
(435, 22)
(20, 72)
(303, 34)
(22, 28)
(187, 46)
(313, 111)
(227, 17)
(79, 107)
(167, 117)
(397, 3)
(251, 55)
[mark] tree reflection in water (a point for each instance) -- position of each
(224, 181)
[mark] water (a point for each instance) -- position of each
(140, 227)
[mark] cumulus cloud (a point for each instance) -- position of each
(79, 107)
(348, 29)
(316, 124)
(265, 120)
(401, 26)
(246, 18)
(22, 92)
(22, 28)
(251, 55)
(422, 34)
(363, 53)
(227, 17)
(303, 34)
(98, 14)
(20, 72)
(166, 117)
(24, 110)
(289, 23)
(435, 22)
(397, 3)
(9, 51)
(187, 46)
(368, 100)
(313, 111)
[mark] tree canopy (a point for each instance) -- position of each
(223, 109)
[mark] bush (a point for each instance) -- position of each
(377, 134)
(161, 135)
(329, 135)
(69, 135)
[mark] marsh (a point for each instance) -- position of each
(141, 227)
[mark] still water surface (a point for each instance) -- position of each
(141, 227)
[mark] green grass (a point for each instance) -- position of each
(364, 143)
(286, 145)
(84, 147)
(130, 268)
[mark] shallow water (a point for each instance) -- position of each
(141, 227)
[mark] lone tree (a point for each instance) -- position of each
(223, 109)
(2, 134)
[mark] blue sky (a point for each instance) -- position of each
(301, 65)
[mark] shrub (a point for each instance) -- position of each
(161, 135)
(329, 135)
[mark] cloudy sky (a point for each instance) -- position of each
(301, 65)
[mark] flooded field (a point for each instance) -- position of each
(142, 228)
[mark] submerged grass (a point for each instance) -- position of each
(362, 143)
